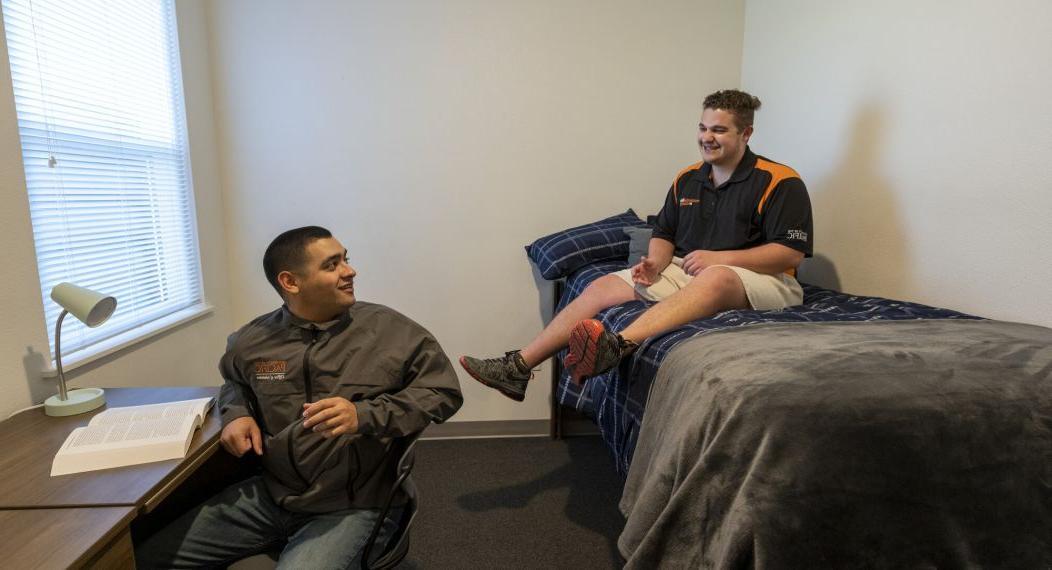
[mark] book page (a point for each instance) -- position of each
(130, 436)
(157, 428)
(151, 412)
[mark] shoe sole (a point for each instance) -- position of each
(513, 395)
(584, 348)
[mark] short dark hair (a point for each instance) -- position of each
(288, 252)
(738, 103)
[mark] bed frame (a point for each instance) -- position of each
(564, 420)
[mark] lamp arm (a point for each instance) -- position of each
(58, 356)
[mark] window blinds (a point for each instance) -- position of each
(99, 98)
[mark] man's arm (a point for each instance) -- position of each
(787, 230)
(232, 401)
(667, 219)
(660, 252)
(769, 258)
(654, 262)
(662, 245)
(240, 431)
(431, 393)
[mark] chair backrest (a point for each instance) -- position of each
(397, 546)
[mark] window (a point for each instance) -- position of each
(98, 92)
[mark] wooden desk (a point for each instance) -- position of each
(64, 538)
(30, 440)
(83, 519)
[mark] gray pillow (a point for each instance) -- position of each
(638, 244)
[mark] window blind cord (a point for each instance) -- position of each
(51, 160)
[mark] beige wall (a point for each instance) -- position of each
(437, 138)
(22, 334)
(922, 130)
(184, 356)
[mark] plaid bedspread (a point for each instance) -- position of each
(615, 400)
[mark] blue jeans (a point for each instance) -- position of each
(243, 520)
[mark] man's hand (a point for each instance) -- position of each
(331, 417)
(241, 435)
(697, 260)
(645, 272)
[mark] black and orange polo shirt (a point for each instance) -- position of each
(762, 202)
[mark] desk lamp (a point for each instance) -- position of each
(92, 309)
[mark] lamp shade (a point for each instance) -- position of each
(90, 307)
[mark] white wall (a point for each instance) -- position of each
(185, 356)
(22, 329)
(922, 130)
(436, 139)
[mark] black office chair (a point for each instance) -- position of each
(397, 546)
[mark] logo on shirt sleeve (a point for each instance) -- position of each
(799, 235)
(271, 370)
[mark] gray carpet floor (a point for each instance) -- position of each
(515, 503)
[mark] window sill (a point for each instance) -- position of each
(128, 339)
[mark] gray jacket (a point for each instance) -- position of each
(391, 368)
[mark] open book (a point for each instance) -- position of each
(132, 435)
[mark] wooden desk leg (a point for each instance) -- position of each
(119, 553)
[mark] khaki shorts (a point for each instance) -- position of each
(765, 292)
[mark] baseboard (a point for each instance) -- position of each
(505, 428)
(498, 428)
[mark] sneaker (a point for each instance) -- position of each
(508, 375)
(594, 350)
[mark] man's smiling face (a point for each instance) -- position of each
(721, 142)
(326, 281)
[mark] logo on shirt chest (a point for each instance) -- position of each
(271, 370)
(688, 201)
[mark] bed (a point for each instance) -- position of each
(847, 432)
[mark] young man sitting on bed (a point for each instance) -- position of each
(730, 235)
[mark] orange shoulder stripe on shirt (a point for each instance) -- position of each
(779, 172)
(675, 183)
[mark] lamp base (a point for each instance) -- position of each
(76, 402)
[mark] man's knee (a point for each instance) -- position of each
(609, 290)
(719, 281)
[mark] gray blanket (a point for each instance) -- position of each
(909, 444)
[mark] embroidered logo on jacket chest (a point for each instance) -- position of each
(271, 370)
(688, 201)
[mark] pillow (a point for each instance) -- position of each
(638, 243)
(560, 254)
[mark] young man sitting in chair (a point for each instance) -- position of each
(731, 233)
(319, 389)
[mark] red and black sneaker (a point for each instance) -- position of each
(594, 350)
